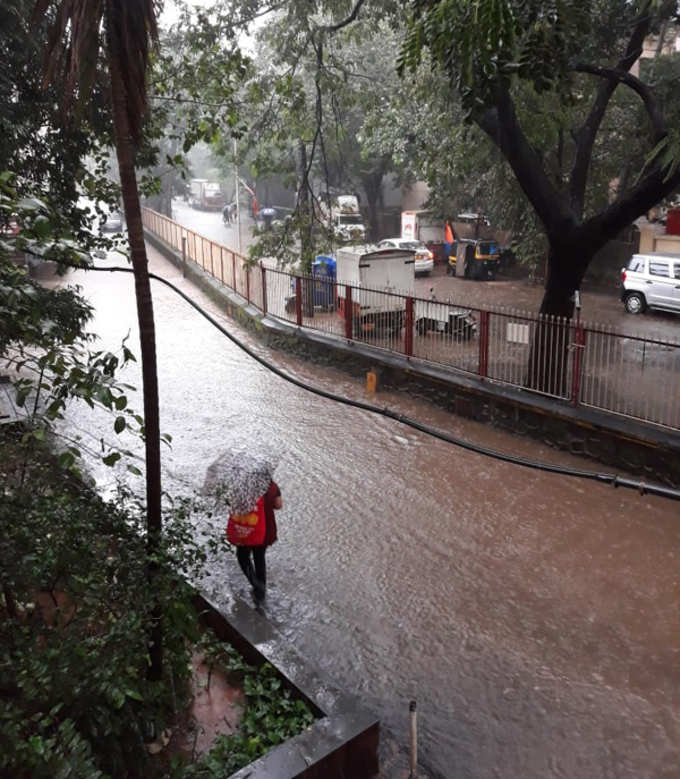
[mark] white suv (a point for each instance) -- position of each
(651, 281)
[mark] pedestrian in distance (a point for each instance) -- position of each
(252, 533)
(449, 238)
(226, 214)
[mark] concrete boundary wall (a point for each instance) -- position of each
(644, 451)
(342, 742)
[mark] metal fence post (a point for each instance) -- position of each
(248, 283)
(264, 288)
(184, 255)
(577, 361)
(408, 328)
(349, 314)
(298, 300)
(233, 271)
(482, 366)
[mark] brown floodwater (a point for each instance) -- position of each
(533, 617)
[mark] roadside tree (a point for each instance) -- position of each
(124, 30)
(53, 154)
(502, 56)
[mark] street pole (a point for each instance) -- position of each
(238, 205)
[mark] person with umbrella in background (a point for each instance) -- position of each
(268, 215)
(253, 497)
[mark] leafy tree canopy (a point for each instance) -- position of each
(568, 64)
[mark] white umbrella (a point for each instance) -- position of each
(238, 478)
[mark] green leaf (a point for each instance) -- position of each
(66, 459)
(119, 424)
(111, 459)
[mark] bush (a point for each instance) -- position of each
(75, 614)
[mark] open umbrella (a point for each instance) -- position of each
(238, 478)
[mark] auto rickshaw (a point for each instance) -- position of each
(474, 259)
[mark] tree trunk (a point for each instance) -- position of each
(306, 227)
(549, 356)
(305, 210)
(147, 340)
(372, 184)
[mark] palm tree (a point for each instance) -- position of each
(125, 30)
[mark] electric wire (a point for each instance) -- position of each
(608, 478)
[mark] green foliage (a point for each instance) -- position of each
(76, 606)
(271, 716)
(480, 63)
(484, 45)
(55, 154)
(44, 346)
(75, 600)
(194, 83)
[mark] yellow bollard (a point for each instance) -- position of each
(371, 382)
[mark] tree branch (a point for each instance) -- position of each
(586, 134)
(639, 199)
(347, 20)
(502, 127)
(652, 107)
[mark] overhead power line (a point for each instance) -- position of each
(613, 479)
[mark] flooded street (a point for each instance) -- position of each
(534, 617)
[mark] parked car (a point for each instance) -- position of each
(424, 259)
(651, 281)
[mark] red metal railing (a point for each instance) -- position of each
(580, 363)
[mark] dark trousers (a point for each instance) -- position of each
(257, 576)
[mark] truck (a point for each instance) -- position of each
(370, 271)
(206, 195)
(421, 226)
(346, 220)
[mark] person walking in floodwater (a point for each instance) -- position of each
(243, 479)
(251, 555)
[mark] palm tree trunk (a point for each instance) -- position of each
(125, 152)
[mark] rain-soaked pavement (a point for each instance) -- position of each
(534, 617)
